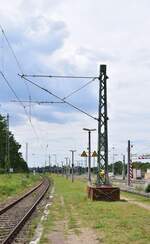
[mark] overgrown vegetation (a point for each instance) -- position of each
(14, 184)
(15, 159)
(113, 222)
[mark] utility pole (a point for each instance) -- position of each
(55, 162)
(69, 166)
(113, 173)
(129, 167)
(7, 157)
(62, 168)
(113, 163)
(72, 168)
(27, 152)
(89, 152)
(123, 170)
(49, 162)
(102, 159)
(86, 165)
(66, 167)
(45, 157)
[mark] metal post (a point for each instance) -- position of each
(55, 163)
(62, 168)
(89, 152)
(27, 152)
(7, 157)
(113, 166)
(89, 158)
(66, 167)
(123, 170)
(86, 166)
(128, 167)
(69, 168)
(72, 168)
(49, 162)
(102, 159)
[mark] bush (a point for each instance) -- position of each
(2, 171)
(147, 188)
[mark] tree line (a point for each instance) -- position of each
(10, 157)
(118, 167)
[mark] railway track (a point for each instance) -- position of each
(14, 216)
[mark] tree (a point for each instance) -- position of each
(140, 165)
(16, 160)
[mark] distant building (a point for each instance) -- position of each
(147, 175)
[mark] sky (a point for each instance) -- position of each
(66, 37)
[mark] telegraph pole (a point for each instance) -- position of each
(89, 149)
(72, 168)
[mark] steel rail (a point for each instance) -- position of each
(3, 210)
(13, 233)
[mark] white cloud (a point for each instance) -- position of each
(59, 137)
(90, 32)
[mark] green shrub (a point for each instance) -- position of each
(147, 188)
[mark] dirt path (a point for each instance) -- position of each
(85, 236)
(61, 234)
(142, 205)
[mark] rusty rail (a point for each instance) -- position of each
(21, 205)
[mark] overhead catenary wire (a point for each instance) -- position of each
(26, 85)
(60, 76)
(38, 102)
(69, 95)
(80, 88)
(59, 98)
(17, 62)
(21, 103)
(2, 52)
(9, 45)
(11, 88)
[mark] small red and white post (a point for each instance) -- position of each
(129, 166)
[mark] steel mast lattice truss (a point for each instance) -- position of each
(102, 159)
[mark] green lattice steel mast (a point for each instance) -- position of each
(102, 159)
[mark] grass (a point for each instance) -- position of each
(137, 198)
(114, 222)
(14, 184)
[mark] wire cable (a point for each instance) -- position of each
(26, 84)
(17, 62)
(80, 88)
(59, 98)
(2, 53)
(13, 91)
(9, 45)
(61, 76)
(21, 103)
(38, 102)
